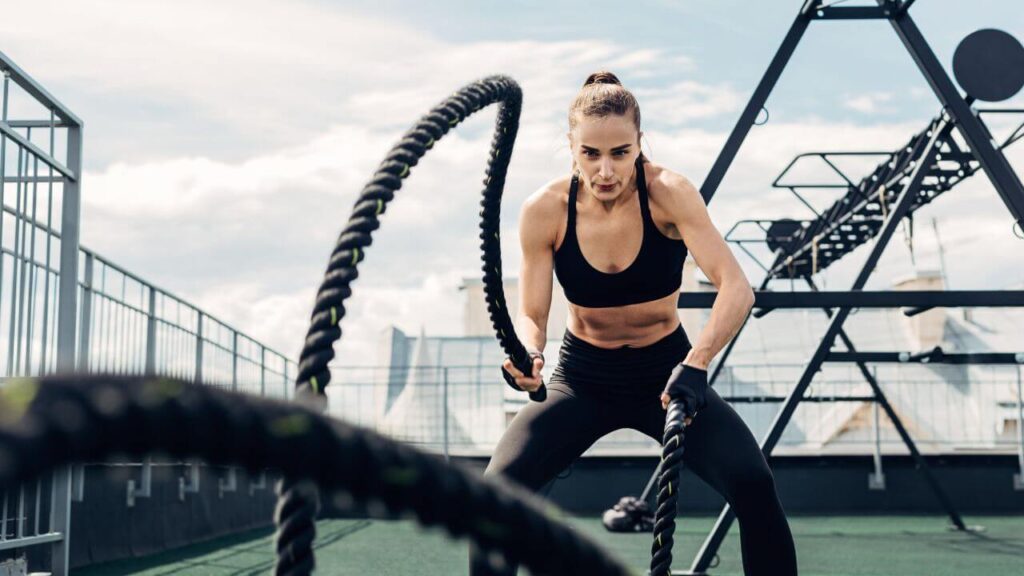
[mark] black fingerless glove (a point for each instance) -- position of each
(689, 385)
(538, 395)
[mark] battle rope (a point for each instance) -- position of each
(668, 490)
(54, 421)
(329, 309)
(297, 509)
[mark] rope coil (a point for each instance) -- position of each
(298, 511)
(668, 490)
(54, 421)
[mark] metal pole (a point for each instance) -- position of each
(3, 183)
(756, 103)
(49, 241)
(287, 383)
(876, 480)
(714, 540)
(60, 519)
(444, 399)
(1018, 479)
(151, 334)
(199, 349)
(234, 360)
(86, 323)
(13, 351)
(978, 138)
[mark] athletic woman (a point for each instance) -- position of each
(616, 234)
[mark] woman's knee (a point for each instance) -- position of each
(752, 489)
(518, 468)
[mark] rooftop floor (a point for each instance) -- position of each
(832, 546)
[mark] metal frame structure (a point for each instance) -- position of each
(25, 270)
(873, 208)
(64, 308)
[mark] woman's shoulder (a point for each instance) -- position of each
(667, 188)
(551, 199)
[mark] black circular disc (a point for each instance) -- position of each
(782, 234)
(989, 65)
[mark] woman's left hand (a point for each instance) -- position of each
(689, 385)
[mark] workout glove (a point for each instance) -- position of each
(689, 385)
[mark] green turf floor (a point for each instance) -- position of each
(890, 545)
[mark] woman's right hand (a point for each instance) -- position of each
(528, 383)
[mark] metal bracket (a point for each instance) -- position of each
(260, 484)
(145, 489)
(876, 480)
(228, 483)
(191, 485)
(78, 483)
(14, 567)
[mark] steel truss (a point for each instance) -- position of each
(872, 209)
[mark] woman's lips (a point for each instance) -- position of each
(607, 188)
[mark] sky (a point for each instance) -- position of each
(225, 142)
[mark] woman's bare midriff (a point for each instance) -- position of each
(634, 325)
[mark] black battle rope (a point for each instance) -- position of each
(297, 509)
(668, 490)
(329, 308)
(55, 421)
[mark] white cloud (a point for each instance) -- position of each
(681, 102)
(318, 96)
(248, 241)
(871, 103)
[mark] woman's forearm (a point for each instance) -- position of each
(731, 307)
(533, 332)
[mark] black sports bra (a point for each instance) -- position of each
(655, 273)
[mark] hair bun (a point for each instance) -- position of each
(602, 77)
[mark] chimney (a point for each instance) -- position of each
(926, 330)
(476, 320)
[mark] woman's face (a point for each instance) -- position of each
(605, 150)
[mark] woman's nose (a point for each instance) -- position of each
(606, 169)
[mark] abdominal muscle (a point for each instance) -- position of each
(633, 325)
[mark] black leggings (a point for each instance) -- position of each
(594, 391)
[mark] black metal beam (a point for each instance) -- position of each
(919, 461)
(995, 165)
(852, 13)
(756, 399)
(874, 299)
(714, 540)
(986, 358)
(756, 102)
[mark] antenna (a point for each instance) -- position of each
(942, 254)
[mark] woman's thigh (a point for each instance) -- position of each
(545, 437)
(718, 446)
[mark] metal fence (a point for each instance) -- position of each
(40, 169)
(463, 410)
(65, 308)
(132, 327)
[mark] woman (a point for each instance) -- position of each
(616, 234)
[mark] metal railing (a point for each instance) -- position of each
(40, 169)
(463, 410)
(130, 326)
(65, 308)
